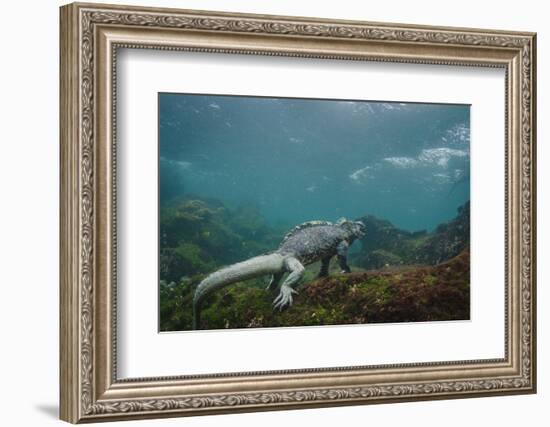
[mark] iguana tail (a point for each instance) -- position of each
(253, 267)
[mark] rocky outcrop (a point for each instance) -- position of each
(197, 236)
(385, 245)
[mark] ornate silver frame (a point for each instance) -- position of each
(90, 36)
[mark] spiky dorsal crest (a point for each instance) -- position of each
(342, 221)
(304, 225)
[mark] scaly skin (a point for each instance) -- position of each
(306, 244)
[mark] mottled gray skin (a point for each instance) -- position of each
(305, 244)
(315, 241)
(310, 242)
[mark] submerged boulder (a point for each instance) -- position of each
(448, 239)
(200, 235)
(387, 245)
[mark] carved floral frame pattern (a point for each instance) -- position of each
(78, 399)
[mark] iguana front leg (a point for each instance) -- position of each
(342, 252)
(284, 299)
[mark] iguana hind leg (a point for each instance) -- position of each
(274, 282)
(284, 299)
(325, 264)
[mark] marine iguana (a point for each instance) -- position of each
(307, 243)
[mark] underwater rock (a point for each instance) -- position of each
(199, 235)
(387, 245)
(378, 258)
(171, 265)
(410, 294)
(448, 240)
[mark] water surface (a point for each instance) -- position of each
(301, 159)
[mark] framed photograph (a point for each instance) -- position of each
(266, 212)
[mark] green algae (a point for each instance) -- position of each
(415, 294)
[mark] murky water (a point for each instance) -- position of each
(300, 159)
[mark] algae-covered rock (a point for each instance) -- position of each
(409, 294)
(386, 245)
(448, 240)
(199, 235)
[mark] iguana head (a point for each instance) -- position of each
(355, 229)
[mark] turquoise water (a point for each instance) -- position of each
(297, 160)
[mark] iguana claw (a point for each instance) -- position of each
(284, 299)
